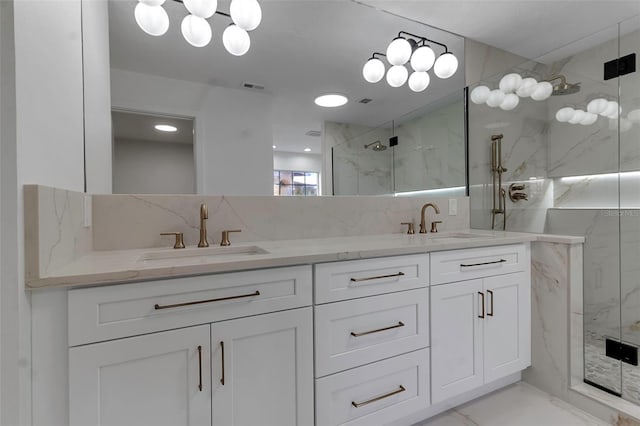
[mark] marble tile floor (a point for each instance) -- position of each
(516, 405)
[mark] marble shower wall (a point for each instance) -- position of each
(356, 170)
(135, 221)
(430, 152)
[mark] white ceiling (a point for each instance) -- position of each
(527, 28)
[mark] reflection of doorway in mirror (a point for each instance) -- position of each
(152, 154)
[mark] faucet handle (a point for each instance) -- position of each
(179, 244)
(225, 236)
(410, 229)
(434, 225)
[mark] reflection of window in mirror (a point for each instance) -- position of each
(152, 154)
(295, 183)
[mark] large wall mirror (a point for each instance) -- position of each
(251, 119)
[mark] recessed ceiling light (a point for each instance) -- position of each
(331, 100)
(166, 128)
(307, 150)
(274, 147)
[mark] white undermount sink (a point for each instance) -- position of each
(201, 254)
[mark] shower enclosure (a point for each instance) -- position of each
(580, 177)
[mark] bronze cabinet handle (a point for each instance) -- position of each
(200, 368)
(222, 376)
(364, 333)
(199, 302)
(462, 265)
(378, 398)
(179, 243)
(482, 296)
(490, 303)
(357, 280)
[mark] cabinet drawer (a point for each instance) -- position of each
(111, 312)
(357, 332)
(351, 279)
(375, 394)
(459, 265)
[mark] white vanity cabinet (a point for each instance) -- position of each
(242, 372)
(481, 325)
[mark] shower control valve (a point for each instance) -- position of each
(514, 192)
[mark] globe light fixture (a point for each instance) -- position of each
(236, 40)
(246, 15)
(419, 80)
(397, 75)
(446, 65)
(495, 98)
(526, 88)
(407, 47)
(510, 102)
(588, 119)
(480, 94)
(373, 70)
(153, 20)
(612, 110)
(578, 116)
(542, 91)
(510, 83)
(565, 114)
(634, 116)
(597, 106)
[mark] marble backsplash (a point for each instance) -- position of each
(135, 221)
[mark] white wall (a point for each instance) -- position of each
(233, 134)
(297, 162)
(143, 167)
(97, 95)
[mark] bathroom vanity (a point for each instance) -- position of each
(367, 341)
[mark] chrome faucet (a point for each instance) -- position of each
(423, 225)
(204, 215)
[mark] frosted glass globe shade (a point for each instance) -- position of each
(480, 94)
(373, 70)
(399, 51)
(634, 116)
(625, 125)
(196, 30)
(247, 14)
(565, 114)
(510, 83)
(423, 59)
(542, 91)
(152, 19)
(589, 118)
(597, 106)
(153, 2)
(510, 101)
(397, 75)
(526, 88)
(202, 8)
(446, 65)
(578, 116)
(495, 98)
(419, 81)
(236, 40)
(611, 110)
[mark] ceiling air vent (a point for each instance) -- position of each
(252, 86)
(314, 133)
(365, 100)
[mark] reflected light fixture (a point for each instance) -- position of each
(245, 15)
(165, 128)
(413, 49)
(331, 100)
(307, 150)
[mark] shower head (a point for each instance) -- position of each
(377, 146)
(563, 88)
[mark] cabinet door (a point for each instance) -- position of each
(263, 370)
(507, 325)
(156, 379)
(456, 339)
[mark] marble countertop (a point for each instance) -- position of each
(110, 267)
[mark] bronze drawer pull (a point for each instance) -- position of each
(200, 368)
(220, 299)
(378, 398)
(364, 333)
(491, 303)
(462, 265)
(356, 280)
(222, 349)
(482, 303)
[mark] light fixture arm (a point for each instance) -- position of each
(216, 13)
(423, 39)
(373, 56)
